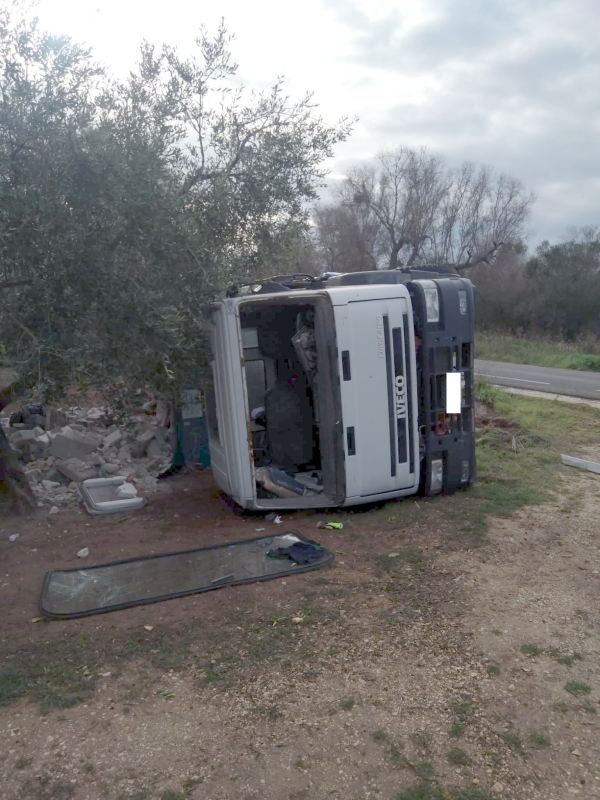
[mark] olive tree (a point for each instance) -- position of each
(127, 206)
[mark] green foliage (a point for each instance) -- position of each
(581, 354)
(530, 649)
(578, 687)
(458, 756)
(568, 659)
(126, 207)
(13, 685)
(539, 739)
(555, 293)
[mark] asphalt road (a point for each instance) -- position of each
(540, 379)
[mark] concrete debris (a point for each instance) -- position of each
(65, 447)
(13, 537)
(76, 470)
(25, 435)
(61, 447)
(83, 553)
(112, 438)
(110, 469)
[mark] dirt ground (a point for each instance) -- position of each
(420, 660)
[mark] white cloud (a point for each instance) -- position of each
(513, 83)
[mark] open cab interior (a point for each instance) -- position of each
(293, 404)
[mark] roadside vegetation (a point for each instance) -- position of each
(582, 354)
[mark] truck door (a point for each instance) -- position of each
(375, 343)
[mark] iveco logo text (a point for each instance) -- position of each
(400, 398)
(380, 335)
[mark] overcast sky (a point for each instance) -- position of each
(512, 83)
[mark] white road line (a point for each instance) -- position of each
(521, 380)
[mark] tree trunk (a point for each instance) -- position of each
(15, 491)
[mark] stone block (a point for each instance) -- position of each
(124, 454)
(154, 450)
(55, 475)
(65, 447)
(146, 436)
(112, 438)
(108, 470)
(23, 435)
(76, 470)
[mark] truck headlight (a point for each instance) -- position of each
(432, 300)
(436, 476)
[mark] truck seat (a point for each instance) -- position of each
(289, 417)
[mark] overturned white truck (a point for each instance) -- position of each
(343, 390)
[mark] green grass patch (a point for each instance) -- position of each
(458, 756)
(424, 770)
(394, 561)
(14, 684)
(456, 729)
(462, 710)
(421, 739)
(171, 794)
(493, 669)
(568, 659)
(63, 672)
(396, 756)
(347, 705)
(538, 739)
(513, 740)
(43, 788)
(590, 709)
(379, 736)
(518, 441)
(531, 649)
(542, 352)
(578, 688)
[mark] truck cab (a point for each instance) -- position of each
(332, 392)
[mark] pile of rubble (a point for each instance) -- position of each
(60, 448)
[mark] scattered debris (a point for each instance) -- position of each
(13, 537)
(53, 510)
(299, 552)
(330, 526)
(60, 448)
(110, 495)
(580, 463)
(274, 518)
(83, 553)
(297, 620)
(149, 627)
